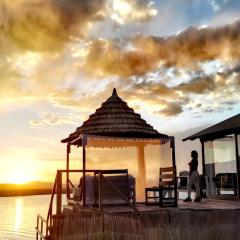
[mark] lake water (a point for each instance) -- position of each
(18, 216)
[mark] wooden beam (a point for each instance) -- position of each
(141, 173)
(84, 169)
(203, 158)
(173, 152)
(59, 193)
(237, 164)
(100, 192)
(172, 145)
(67, 168)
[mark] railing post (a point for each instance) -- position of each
(41, 230)
(37, 227)
(59, 193)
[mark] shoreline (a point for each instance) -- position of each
(25, 192)
(14, 193)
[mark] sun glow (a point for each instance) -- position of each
(122, 7)
(19, 178)
(19, 172)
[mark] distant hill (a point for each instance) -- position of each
(31, 188)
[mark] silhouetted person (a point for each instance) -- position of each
(193, 178)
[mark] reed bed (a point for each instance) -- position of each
(171, 224)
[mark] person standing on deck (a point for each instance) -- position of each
(193, 178)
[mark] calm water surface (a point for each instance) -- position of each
(18, 216)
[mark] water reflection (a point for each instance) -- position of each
(18, 214)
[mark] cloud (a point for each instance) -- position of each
(187, 49)
(198, 85)
(171, 109)
(51, 119)
(115, 61)
(46, 25)
(123, 11)
(164, 74)
(38, 25)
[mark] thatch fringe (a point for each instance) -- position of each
(171, 224)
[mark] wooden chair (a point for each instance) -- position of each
(168, 187)
(165, 195)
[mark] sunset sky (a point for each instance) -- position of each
(176, 62)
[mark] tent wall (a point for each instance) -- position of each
(142, 161)
(220, 165)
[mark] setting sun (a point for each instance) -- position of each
(19, 178)
(19, 171)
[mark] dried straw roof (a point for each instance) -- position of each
(115, 119)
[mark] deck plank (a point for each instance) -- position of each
(208, 204)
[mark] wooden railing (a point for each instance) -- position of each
(42, 232)
(43, 228)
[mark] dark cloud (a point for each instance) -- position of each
(46, 25)
(198, 85)
(171, 109)
(187, 49)
(105, 58)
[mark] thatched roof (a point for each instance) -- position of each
(115, 119)
(226, 127)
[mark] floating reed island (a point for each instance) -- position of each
(131, 191)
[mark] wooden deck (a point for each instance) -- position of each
(207, 220)
(208, 204)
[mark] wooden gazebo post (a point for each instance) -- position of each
(172, 143)
(67, 168)
(84, 141)
(237, 164)
(203, 157)
(141, 169)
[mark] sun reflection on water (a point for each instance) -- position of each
(18, 213)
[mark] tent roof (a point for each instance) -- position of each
(226, 127)
(115, 119)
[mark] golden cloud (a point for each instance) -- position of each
(51, 119)
(187, 49)
(123, 11)
(171, 109)
(59, 78)
(48, 25)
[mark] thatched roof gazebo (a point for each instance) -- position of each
(115, 125)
